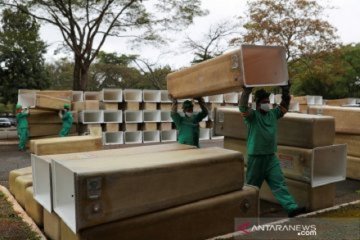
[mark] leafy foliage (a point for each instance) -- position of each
(21, 55)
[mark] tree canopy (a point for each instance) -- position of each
(85, 25)
(21, 55)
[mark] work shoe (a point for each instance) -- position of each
(297, 211)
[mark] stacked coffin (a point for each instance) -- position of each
(347, 132)
(143, 193)
(44, 106)
(310, 161)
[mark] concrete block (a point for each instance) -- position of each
(204, 134)
(196, 220)
(91, 105)
(110, 106)
(216, 98)
(20, 185)
(91, 116)
(151, 116)
(133, 137)
(165, 96)
(133, 95)
(16, 173)
(250, 66)
(33, 208)
(151, 96)
(78, 106)
(92, 95)
(231, 98)
(149, 126)
(165, 126)
(165, 106)
(168, 135)
(151, 136)
(131, 127)
(133, 116)
(166, 117)
(132, 106)
(112, 127)
(149, 106)
(108, 189)
(113, 116)
(111, 138)
(77, 96)
(52, 227)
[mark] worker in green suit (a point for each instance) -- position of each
(188, 125)
(22, 126)
(67, 120)
(263, 163)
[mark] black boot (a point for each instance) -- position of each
(297, 211)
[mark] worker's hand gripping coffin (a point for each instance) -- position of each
(202, 219)
(294, 129)
(250, 66)
(94, 191)
(41, 165)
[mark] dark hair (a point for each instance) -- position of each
(260, 95)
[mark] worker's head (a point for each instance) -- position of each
(67, 107)
(262, 100)
(18, 107)
(188, 108)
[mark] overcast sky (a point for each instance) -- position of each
(345, 17)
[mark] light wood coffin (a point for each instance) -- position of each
(15, 173)
(47, 129)
(88, 192)
(20, 185)
(33, 208)
(318, 166)
(347, 119)
(304, 195)
(42, 116)
(61, 145)
(41, 165)
(202, 219)
(352, 141)
(52, 103)
(353, 167)
(294, 129)
(250, 66)
(52, 225)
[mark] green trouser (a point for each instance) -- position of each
(267, 167)
(64, 131)
(23, 136)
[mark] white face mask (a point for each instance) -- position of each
(265, 107)
(189, 114)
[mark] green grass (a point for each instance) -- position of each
(11, 225)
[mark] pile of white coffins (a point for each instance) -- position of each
(309, 159)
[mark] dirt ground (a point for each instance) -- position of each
(11, 158)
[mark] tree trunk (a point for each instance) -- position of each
(80, 75)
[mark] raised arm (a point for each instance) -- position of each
(204, 111)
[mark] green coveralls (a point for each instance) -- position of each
(263, 163)
(22, 129)
(67, 121)
(188, 127)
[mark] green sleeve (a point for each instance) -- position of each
(278, 113)
(200, 116)
(247, 113)
(176, 118)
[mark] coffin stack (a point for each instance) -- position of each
(347, 129)
(310, 161)
(169, 191)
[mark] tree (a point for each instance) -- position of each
(85, 25)
(61, 74)
(294, 24)
(335, 74)
(21, 58)
(213, 43)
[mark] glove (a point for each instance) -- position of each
(286, 88)
(247, 90)
(200, 99)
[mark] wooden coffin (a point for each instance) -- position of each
(67, 94)
(352, 142)
(294, 129)
(202, 219)
(33, 208)
(250, 66)
(47, 129)
(353, 167)
(52, 225)
(41, 165)
(313, 198)
(347, 119)
(15, 173)
(61, 145)
(42, 116)
(317, 166)
(88, 192)
(52, 103)
(20, 185)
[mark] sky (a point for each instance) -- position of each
(345, 16)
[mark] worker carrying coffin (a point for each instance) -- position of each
(67, 120)
(188, 125)
(22, 126)
(263, 163)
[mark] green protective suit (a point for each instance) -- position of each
(188, 127)
(22, 129)
(67, 121)
(263, 163)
